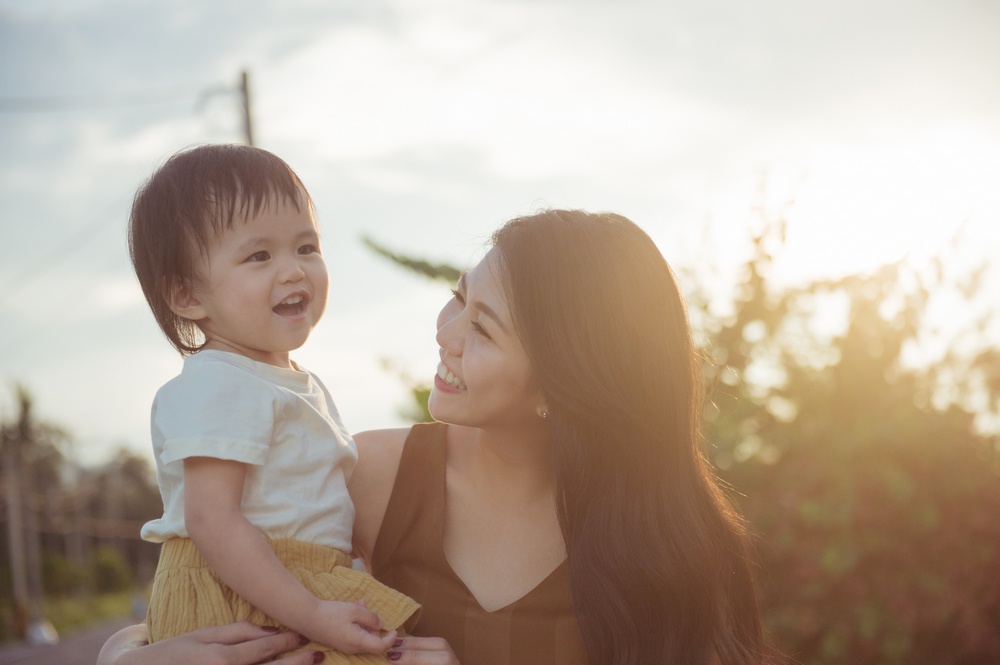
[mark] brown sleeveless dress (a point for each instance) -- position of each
(538, 628)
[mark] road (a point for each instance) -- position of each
(79, 648)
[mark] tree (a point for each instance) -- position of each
(31, 458)
(68, 528)
(416, 411)
(869, 497)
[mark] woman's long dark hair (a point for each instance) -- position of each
(658, 558)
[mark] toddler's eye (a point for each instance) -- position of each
(259, 256)
(309, 249)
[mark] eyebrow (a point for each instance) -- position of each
(483, 307)
(256, 241)
(488, 311)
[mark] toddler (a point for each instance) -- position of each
(251, 457)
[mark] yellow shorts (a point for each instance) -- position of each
(187, 594)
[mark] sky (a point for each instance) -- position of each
(424, 124)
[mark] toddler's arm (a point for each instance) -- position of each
(238, 552)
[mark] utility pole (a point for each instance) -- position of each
(247, 115)
(15, 528)
(40, 631)
(25, 548)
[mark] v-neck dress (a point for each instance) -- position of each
(540, 627)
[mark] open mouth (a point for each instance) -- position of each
(292, 305)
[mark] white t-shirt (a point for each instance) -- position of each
(282, 423)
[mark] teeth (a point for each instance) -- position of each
(449, 378)
(294, 300)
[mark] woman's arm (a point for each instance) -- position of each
(242, 558)
(379, 452)
(236, 644)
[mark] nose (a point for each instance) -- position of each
(292, 270)
(449, 336)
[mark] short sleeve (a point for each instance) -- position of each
(214, 409)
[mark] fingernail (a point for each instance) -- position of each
(317, 656)
(269, 629)
(393, 655)
(397, 643)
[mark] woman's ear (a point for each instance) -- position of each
(182, 300)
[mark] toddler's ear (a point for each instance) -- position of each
(183, 301)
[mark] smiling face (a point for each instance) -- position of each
(260, 285)
(484, 379)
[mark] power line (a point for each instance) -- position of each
(54, 258)
(173, 94)
(60, 103)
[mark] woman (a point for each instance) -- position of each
(564, 514)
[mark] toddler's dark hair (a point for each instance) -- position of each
(197, 193)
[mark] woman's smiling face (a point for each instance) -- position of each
(484, 379)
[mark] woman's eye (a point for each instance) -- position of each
(478, 327)
(259, 256)
(457, 295)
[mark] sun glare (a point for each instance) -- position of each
(857, 209)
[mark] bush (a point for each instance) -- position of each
(62, 576)
(111, 571)
(875, 503)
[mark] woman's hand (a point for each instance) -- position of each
(240, 643)
(422, 651)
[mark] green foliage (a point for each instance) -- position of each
(68, 510)
(69, 613)
(870, 504)
(61, 576)
(436, 271)
(69, 601)
(418, 412)
(111, 570)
